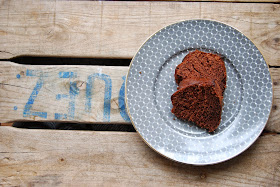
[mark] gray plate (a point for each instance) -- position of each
(150, 84)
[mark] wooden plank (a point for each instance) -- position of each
(117, 29)
(92, 94)
(52, 103)
(233, 1)
(273, 123)
(78, 158)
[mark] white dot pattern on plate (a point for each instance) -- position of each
(247, 98)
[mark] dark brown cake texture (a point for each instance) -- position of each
(199, 64)
(202, 80)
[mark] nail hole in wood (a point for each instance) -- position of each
(202, 175)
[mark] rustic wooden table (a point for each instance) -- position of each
(112, 30)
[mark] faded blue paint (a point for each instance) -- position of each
(18, 76)
(15, 107)
(35, 73)
(31, 73)
(39, 84)
(122, 102)
(59, 116)
(40, 114)
(61, 96)
(107, 95)
(65, 74)
(73, 92)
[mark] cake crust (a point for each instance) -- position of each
(198, 64)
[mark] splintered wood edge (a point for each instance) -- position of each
(6, 124)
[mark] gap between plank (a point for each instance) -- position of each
(89, 127)
(74, 126)
(31, 60)
(274, 66)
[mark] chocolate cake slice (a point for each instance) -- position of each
(187, 82)
(198, 101)
(199, 97)
(198, 64)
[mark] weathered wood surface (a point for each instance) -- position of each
(92, 94)
(67, 99)
(273, 123)
(117, 29)
(114, 30)
(75, 158)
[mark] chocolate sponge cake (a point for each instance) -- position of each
(199, 97)
(187, 82)
(199, 64)
(198, 102)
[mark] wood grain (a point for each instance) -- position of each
(16, 92)
(17, 88)
(46, 157)
(114, 30)
(96, 29)
(273, 123)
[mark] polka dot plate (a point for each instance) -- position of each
(150, 83)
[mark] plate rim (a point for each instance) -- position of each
(197, 164)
